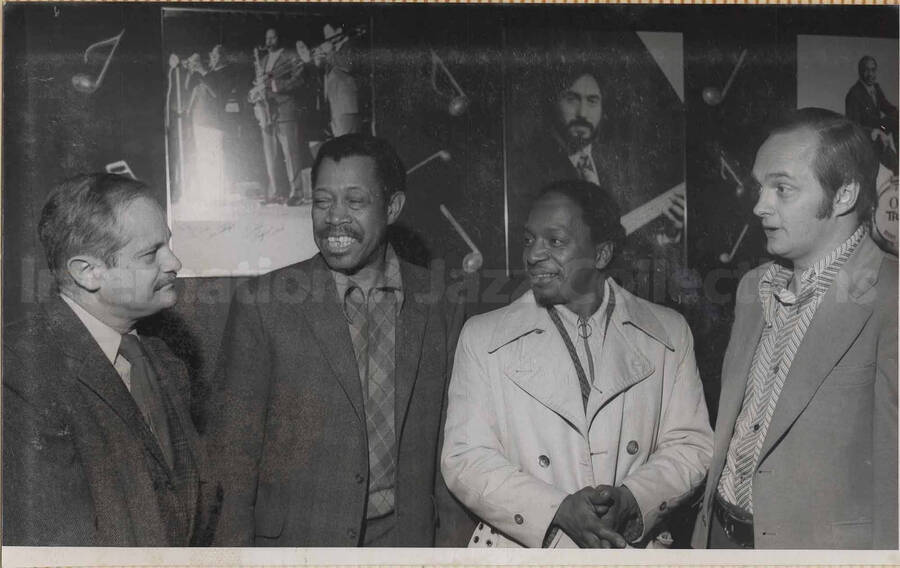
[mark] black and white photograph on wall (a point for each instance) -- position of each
(607, 108)
(858, 77)
(354, 283)
(250, 96)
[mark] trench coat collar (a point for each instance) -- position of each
(526, 317)
(623, 365)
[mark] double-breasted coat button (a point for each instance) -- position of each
(359, 478)
(519, 519)
(351, 533)
(544, 461)
(632, 447)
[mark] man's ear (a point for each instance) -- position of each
(85, 271)
(395, 206)
(845, 198)
(603, 254)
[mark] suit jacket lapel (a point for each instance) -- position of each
(735, 374)
(410, 336)
(91, 367)
(835, 325)
(326, 318)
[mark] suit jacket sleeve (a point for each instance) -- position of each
(684, 443)
(853, 106)
(883, 104)
(473, 462)
(455, 523)
(238, 417)
(885, 432)
(290, 73)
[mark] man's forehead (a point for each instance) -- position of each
(556, 209)
(786, 152)
(584, 83)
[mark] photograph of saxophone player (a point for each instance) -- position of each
(806, 435)
(279, 78)
(576, 415)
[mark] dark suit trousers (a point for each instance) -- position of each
(287, 134)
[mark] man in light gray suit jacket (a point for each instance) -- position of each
(806, 437)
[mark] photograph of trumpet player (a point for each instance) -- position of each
(251, 95)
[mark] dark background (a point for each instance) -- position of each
(52, 131)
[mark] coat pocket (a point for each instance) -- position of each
(847, 376)
(270, 511)
(852, 534)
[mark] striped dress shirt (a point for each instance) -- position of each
(787, 317)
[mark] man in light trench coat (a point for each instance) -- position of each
(576, 414)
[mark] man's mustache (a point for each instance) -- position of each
(327, 233)
(580, 122)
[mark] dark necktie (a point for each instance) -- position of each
(146, 393)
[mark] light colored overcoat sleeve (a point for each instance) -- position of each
(684, 444)
(473, 461)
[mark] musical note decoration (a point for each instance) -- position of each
(459, 102)
(713, 95)
(725, 166)
(82, 82)
(473, 260)
(727, 257)
(442, 155)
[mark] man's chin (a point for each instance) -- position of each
(545, 298)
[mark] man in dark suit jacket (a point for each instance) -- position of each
(333, 380)
(98, 446)
(279, 78)
(806, 437)
(866, 104)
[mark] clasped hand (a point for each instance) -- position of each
(597, 517)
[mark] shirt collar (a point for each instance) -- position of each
(774, 282)
(596, 319)
(106, 337)
(390, 279)
(586, 151)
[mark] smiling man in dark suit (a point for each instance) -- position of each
(333, 379)
(98, 446)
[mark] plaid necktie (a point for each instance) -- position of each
(146, 393)
(376, 355)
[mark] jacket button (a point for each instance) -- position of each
(351, 533)
(544, 461)
(632, 447)
(519, 519)
(359, 478)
